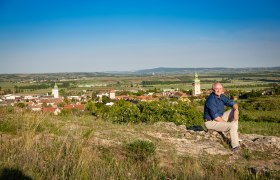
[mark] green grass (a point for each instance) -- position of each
(259, 116)
(140, 150)
(44, 146)
(263, 128)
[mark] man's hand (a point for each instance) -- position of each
(235, 114)
(219, 119)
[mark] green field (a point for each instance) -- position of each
(243, 81)
(263, 128)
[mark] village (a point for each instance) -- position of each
(54, 103)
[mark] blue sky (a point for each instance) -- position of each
(126, 35)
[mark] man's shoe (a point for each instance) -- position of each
(236, 149)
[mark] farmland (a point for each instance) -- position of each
(100, 81)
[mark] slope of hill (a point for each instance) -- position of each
(43, 146)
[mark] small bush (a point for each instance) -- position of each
(10, 109)
(8, 127)
(140, 150)
(246, 154)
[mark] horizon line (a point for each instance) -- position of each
(134, 71)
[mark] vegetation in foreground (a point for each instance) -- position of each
(43, 146)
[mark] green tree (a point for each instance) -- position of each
(277, 89)
(61, 104)
(66, 100)
(105, 99)
(21, 105)
(62, 92)
(94, 96)
(66, 84)
(140, 93)
(90, 106)
(8, 91)
(16, 89)
(123, 112)
(232, 93)
(190, 92)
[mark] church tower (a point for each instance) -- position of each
(196, 86)
(55, 91)
(112, 94)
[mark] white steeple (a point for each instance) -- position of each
(55, 91)
(196, 86)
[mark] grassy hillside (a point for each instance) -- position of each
(44, 146)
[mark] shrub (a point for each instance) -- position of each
(65, 112)
(123, 112)
(140, 150)
(10, 109)
(21, 105)
(8, 126)
(150, 112)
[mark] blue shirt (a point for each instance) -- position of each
(214, 106)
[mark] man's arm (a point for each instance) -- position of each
(228, 102)
(235, 107)
(235, 112)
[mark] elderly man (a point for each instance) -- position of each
(215, 117)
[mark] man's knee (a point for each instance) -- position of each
(233, 125)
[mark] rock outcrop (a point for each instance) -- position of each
(262, 151)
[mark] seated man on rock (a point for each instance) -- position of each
(218, 120)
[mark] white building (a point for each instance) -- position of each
(29, 97)
(55, 91)
(112, 94)
(196, 86)
(109, 104)
(10, 97)
(74, 97)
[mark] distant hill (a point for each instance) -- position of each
(153, 71)
(166, 70)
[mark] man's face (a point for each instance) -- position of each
(218, 89)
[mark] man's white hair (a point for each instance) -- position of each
(215, 83)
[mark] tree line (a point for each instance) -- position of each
(19, 89)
